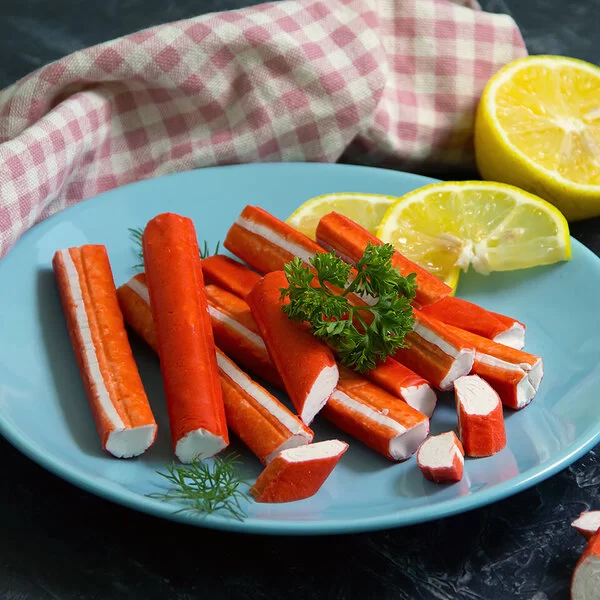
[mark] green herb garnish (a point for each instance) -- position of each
(206, 487)
(361, 335)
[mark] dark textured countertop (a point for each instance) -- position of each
(61, 542)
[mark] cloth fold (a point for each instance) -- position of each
(382, 82)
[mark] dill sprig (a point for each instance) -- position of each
(361, 335)
(206, 487)
(135, 234)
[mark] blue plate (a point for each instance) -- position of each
(44, 412)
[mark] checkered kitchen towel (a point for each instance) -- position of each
(385, 82)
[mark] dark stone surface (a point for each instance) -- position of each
(58, 541)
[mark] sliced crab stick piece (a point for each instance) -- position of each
(514, 374)
(263, 423)
(436, 353)
(480, 418)
(113, 386)
(229, 274)
(376, 418)
(474, 318)
(349, 239)
(185, 342)
(441, 458)
(298, 473)
(306, 364)
(585, 584)
(587, 523)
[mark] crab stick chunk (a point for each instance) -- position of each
(306, 364)
(441, 458)
(480, 418)
(436, 353)
(184, 337)
(298, 473)
(113, 386)
(514, 374)
(585, 584)
(349, 239)
(229, 274)
(587, 523)
(378, 419)
(478, 320)
(263, 423)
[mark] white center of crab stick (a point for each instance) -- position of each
(420, 397)
(586, 580)
(300, 435)
(198, 444)
(141, 289)
(314, 451)
(475, 395)
(439, 451)
(405, 443)
(513, 337)
(272, 236)
(236, 326)
(133, 441)
(91, 358)
(319, 393)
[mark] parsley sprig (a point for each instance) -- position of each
(361, 335)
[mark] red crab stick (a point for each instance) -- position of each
(376, 418)
(585, 584)
(184, 337)
(441, 458)
(229, 274)
(480, 418)
(514, 374)
(112, 383)
(349, 240)
(474, 318)
(298, 473)
(306, 365)
(263, 423)
(588, 523)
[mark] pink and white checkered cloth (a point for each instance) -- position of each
(385, 82)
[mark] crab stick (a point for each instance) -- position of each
(480, 418)
(441, 458)
(585, 584)
(436, 353)
(113, 386)
(587, 523)
(474, 318)
(229, 274)
(306, 364)
(298, 473)
(184, 337)
(378, 419)
(514, 374)
(349, 239)
(263, 423)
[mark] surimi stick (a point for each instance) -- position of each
(376, 418)
(298, 473)
(349, 240)
(112, 382)
(480, 418)
(586, 577)
(587, 523)
(184, 337)
(306, 364)
(472, 317)
(229, 274)
(514, 374)
(441, 458)
(263, 423)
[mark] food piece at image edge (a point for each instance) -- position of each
(587, 523)
(184, 337)
(379, 420)
(480, 418)
(113, 386)
(441, 458)
(263, 423)
(586, 576)
(298, 473)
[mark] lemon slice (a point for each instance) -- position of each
(366, 209)
(538, 127)
(489, 226)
